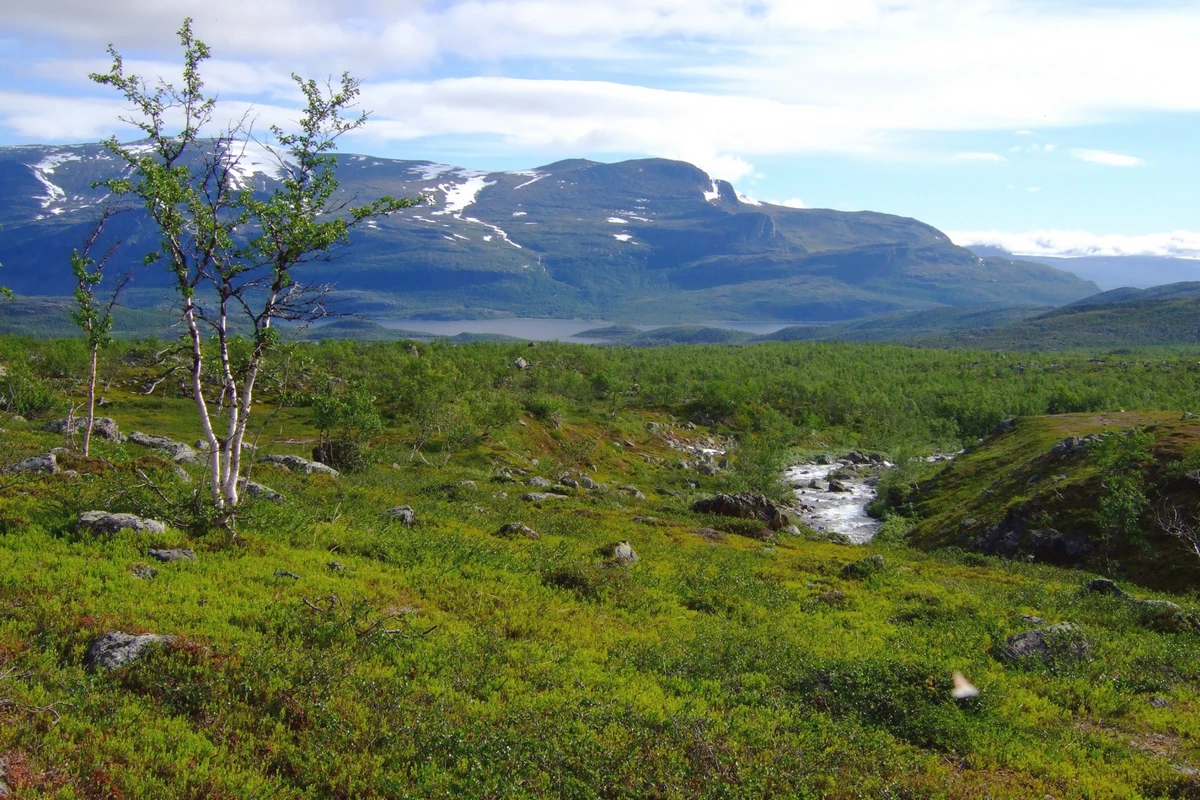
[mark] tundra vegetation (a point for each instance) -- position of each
(349, 647)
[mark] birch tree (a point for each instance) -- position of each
(93, 319)
(232, 252)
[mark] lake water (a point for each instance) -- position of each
(564, 330)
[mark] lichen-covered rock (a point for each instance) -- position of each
(167, 555)
(864, 567)
(744, 505)
(538, 497)
(1061, 642)
(1103, 586)
(402, 514)
(538, 482)
(45, 464)
(298, 464)
(632, 491)
(115, 649)
(619, 552)
(256, 491)
(519, 530)
(108, 522)
(176, 451)
(102, 427)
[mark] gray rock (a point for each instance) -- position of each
(144, 571)
(102, 427)
(1063, 641)
(568, 481)
(298, 464)
(1004, 426)
(283, 573)
(864, 567)
(46, 464)
(106, 522)
(336, 566)
(538, 482)
(468, 485)
(176, 451)
(257, 491)
(1103, 586)
(588, 483)
(619, 552)
(537, 497)
(116, 649)
(632, 491)
(744, 505)
(403, 514)
(167, 556)
(521, 363)
(517, 529)
(1160, 702)
(837, 486)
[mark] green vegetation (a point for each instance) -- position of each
(339, 652)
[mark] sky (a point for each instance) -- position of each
(1043, 126)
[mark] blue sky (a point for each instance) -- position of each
(1051, 126)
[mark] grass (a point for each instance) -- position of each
(446, 660)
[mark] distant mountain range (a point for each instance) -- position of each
(644, 241)
(1111, 272)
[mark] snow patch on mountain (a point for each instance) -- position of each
(536, 178)
(715, 194)
(622, 237)
(499, 232)
(430, 171)
(245, 159)
(618, 221)
(461, 195)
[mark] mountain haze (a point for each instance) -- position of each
(647, 240)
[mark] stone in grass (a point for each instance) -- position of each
(402, 514)
(538, 482)
(833, 598)
(1103, 586)
(538, 497)
(256, 491)
(744, 505)
(144, 571)
(176, 451)
(46, 464)
(864, 567)
(1061, 642)
(518, 529)
(633, 492)
(116, 649)
(102, 427)
(283, 573)
(298, 464)
(107, 522)
(173, 554)
(619, 553)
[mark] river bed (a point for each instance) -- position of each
(836, 512)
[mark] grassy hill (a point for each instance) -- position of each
(338, 652)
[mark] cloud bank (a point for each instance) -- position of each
(1070, 244)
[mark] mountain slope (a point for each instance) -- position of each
(651, 239)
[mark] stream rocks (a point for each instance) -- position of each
(115, 649)
(744, 505)
(109, 523)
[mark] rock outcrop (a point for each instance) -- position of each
(744, 505)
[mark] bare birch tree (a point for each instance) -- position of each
(232, 251)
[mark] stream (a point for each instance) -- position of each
(837, 512)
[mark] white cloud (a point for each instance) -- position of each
(1023, 133)
(1034, 189)
(977, 157)
(1179, 244)
(794, 202)
(1105, 157)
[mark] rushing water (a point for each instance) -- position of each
(838, 512)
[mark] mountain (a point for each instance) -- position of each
(1109, 272)
(645, 240)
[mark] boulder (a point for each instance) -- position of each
(537, 497)
(283, 573)
(1103, 586)
(168, 555)
(116, 649)
(176, 451)
(864, 567)
(403, 514)
(298, 464)
(588, 483)
(1004, 426)
(45, 464)
(632, 491)
(144, 571)
(107, 522)
(744, 505)
(619, 552)
(257, 491)
(838, 486)
(568, 481)
(1054, 547)
(521, 363)
(538, 482)
(1061, 642)
(517, 529)
(103, 427)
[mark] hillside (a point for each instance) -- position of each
(527, 604)
(1110, 272)
(1024, 494)
(645, 241)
